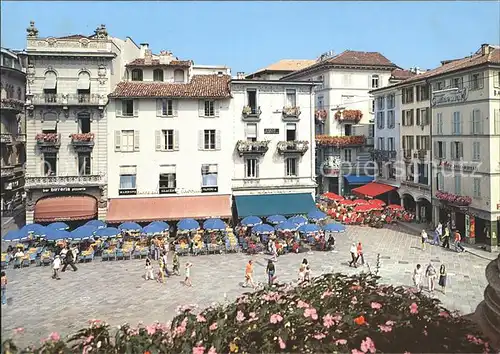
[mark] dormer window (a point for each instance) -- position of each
(375, 81)
(179, 75)
(158, 75)
(137, 75)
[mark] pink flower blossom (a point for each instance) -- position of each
(328, 321)
(151, 329)
(390, 323)
(213, 326)
(311, 312)
(19, 330)
(354, 300)
(355, 351)
(385, 328)
(337, 318)
(319, 336)
(376, 305)
(326, 294)
(54, 336)
(193, 334)
(340, 342)
(367, 345)
(199, 350)
(281, 343)
(444, 314)
(302, 304)
(86, 349)
(474, 339)
(240, 316)
(276, 318)
(252, 314)
(413, 308)
(200, 318)
(212, 351)
(88, 340)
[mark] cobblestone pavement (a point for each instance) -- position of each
(115, 291)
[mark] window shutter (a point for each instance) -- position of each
(461, 149)
(136, 108)
(481, 80)
(159, 110)
(217, 140)
(479, 122)
(471, 122)
(496, 79)
(118, 144)
(175, 107)
(118, 108)
(158, 140)
(453, 151)
(257, 168)
(136, 140)
(201, 108)
(216, 108)
(176, 140)
(200, 140)
(444, 150)
(418, 117)
(427, 116)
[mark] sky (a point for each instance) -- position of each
(247, 36)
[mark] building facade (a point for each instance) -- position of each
(13, 129)
(68, 80)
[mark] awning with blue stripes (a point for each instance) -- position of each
(270, 204)
(353, 179)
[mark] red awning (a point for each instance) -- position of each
(332, 196)
(65, 208)
(169, 208)
(373, 189)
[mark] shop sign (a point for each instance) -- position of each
(127, 191)
(209, 189)
(167, 190)
(271, 131)
(63, 189)
(467, 226)
(454, 95)
(457, 166)
(472, 227)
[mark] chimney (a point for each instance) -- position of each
(165, 57)
(144, 47)
(240, 75)
(485, 49)
(148, 57)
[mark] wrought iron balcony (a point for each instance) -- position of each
(48, 142)
(63, 181)
(69, 99)
(252, 147)
(251, 113)
(293, 147)
(82, 142)
(12, 104)
(384, 155)
(291, 113)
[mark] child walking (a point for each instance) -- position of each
(149, 270)
(4, 288)
(187, 270)
(56, 265)
(161, 271)
(442, 278)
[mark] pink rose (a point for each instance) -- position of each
(200, 318)
(281, 343)
(340, 342)
(240, 317)
(276, 318)
(413, 308)
(213, 326)
(302, 304)
(311, 312)
(367, 345)
(54, 336)
(385, 328)
(151, 329)
(199, 350)
(376, 305)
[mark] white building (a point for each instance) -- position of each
(170, 132)
(344, 115)
(273, 142)
(68, 80)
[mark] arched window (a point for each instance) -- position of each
(375, 81)
(158, 75)
(50, 87)
(19, 94)
(137, 75)
(179, 75)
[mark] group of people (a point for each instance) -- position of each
(356, 255)
(163, 269)
(66, 257)
(431, 275)
(442, 235)
(304, 273)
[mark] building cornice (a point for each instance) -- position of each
(275, 82)
(72, 55)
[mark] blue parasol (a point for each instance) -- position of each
(153, 229)
(162, 224)
(96, 223)
(251, 221)
(188, 224)
(58, 225)
(214, 224)
(334, 227)
(36, 230)
(56, 235)
(316, 215)
(309, 229)
(82, 233)
(13, 235)
(263, 229)
(275, 219)
(287, 226)
(130, 226)
(299, 220)
(107, 232)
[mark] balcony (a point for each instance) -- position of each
(320, 115)
(272, 184)
(82, 142)
(423, 187)
(293, 147)
(454, 199)
(48, 142)
(340, 141)
(63, 181)
(251, 114)
(384, 155)
(291, 113)
(252, 147)
(49, 99)
(12, 105)
(407, 154)
(351, 116)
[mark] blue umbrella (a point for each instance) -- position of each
(263, 229)
(153, 229)
(316, 215)
(188, 224)
(82, 233)
(275, 219)
(214, 224)
(59, 225)
(334, 227)
(163, 224)
(251, 221)
(13, 235)
(309, 229)
(96, 223)
(56, 235)
(107, 232)
(299, 220)
(33, 229)
(287, 226)
(130, 226)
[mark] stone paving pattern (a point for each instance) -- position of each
(116, 292)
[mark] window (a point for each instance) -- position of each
(291, 132)
(208, 175)
(291, 167)
(168, 139)
(128, 176)
(127, 108)
(477, 187)
(158, 75)
(291, 98)
(380, 120)
(347, 80)
(391, 119)
(167, 107)
(19, 94)
(375, 81)
(168, 178)
(251, 168)
(457, 150)
(391, 101)
(380, 103)
(438, 86)
(439, 123)
(391, 171)
(347, 129)
(252, 100)
(347, 155)
(410, 171)
(422, 93)
(209, 139)
(179, 76)
(127, 140)
(440, 148)
(423, 143)
(381, 144)
(50, 87)
(320, 102)
(390, 144)
(476, 81)
(380, 169)
(458, 185)
(209, 108)
(496, 122)
(407, 117)
(83, 87)
(422, 116)
(372, 105)
(136, 75)
(423, 173)
(476, 151)
(456, 127)
(251, 131)
(457, 82)
(408, 142)
(407, 95)
(476, 123)
(50, 164)
(83, 122)
(84, 164)
(496, 79)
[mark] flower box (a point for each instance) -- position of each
(47, 138)
(340, 141)
(321, 114)
(459, 200)
(291, 112)
(349, 115)
(252, 147)
(85, 137)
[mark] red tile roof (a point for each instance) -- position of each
(201, 86)
(156, 62)
(401, 74)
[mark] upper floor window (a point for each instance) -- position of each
(127, 108)
(291, 98)
(407, 95)
(422, 93)
(291, 132)
(391, 101)
(496, 79)
(457, 82)
(83, 122)
(83, 85)
(158, 75)
(19, 94)
(50, 84)
(136, 75)
(179, 75)
(166, 107)
(251, 131)
(252, 100)
(380, 120)
(321, 102)
(375, 81)
(476, 81)
(380, 103)
(127, 140)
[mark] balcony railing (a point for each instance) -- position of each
(291, 113)
(82, 142)
(251, 113)
(12, 104)
(419, 186)
(272, 183)
(48, 142)
(252, 147)
(295, 146)
(69, 99)
(407, 154)
(340, 141)
(349, 116)
(384, 155)
(63, 181)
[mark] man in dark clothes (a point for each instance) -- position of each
(69, 260)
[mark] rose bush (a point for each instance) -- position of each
(334, 313)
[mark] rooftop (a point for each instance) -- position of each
(156, 62)
(401, 74)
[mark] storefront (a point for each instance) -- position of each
(12, 190)
(262, 205)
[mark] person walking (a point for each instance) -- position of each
(446, 238)
(458, 242)
(442, 278)
(4, 288)
(149, 270)
(161, 271)
(165, 262)
(69, 260)
(176, 264)
(354, 256)
(56, 265)
(359, 249)
(270, 272)
(274, 250)
(431, 275)
(437, 234)
(417, 277)
(187, 270)
(423, 238)
(249, 274)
